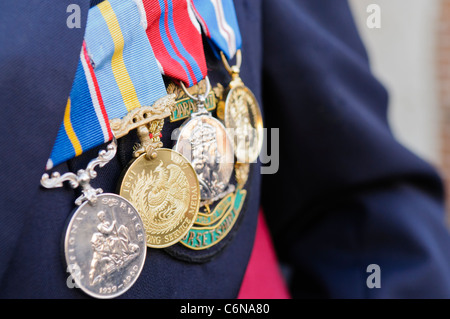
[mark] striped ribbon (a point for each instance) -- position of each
(124, 62)
(85, 123)
(117, 72)
(219, 23)
(175, 36)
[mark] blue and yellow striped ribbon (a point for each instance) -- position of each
(123, 58)
(85, 124)
(117, 72)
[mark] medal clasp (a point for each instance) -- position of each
(200, 99)
(83, 176)
(234, 70)
(148, 121)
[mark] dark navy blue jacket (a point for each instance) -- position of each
(347, 194)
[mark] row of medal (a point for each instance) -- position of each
(164, 195)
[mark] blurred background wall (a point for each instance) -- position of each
(410, 55)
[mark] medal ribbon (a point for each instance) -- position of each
(85, 123)
(219, 23)
(124, 62)
(175, 36)
(117, 72)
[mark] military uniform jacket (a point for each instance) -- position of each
(344, 194)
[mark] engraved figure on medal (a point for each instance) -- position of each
(238, 117)
(204, 141)
(206, 160)
(113, 249)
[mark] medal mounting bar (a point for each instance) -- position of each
(184, 105)
(148, 121)
(83, 176)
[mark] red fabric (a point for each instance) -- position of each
(179, 58)
(263, 279)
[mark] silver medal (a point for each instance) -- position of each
(204, 141)
(105, 244)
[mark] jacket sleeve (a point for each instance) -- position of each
(347, 195)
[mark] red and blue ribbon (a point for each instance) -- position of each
(175, 36)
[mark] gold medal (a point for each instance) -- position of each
(240, 111)
(165, 192)
(159, 182)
